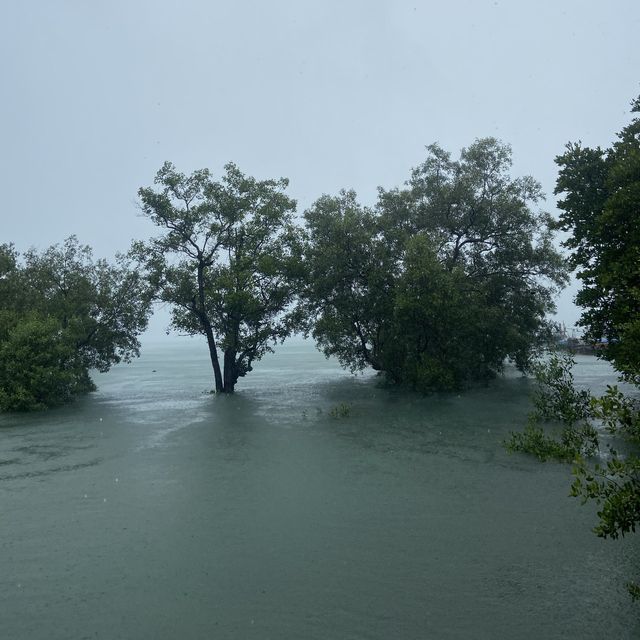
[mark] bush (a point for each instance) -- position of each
(558, 402)
(38, 367)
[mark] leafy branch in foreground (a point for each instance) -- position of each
(616, 487)
(615, 484)
(600, 200)
(567, 410)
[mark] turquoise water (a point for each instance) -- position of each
(151, 509)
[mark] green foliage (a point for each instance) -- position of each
(62, 314)
(349, 281)
(634, 590)
(342, 410)
(614, 485)
(439, 332)
(39, 367)
(620, 414)
(556, 398)
(442, 280)
(575, 414)
(534, 440)
(567, 410)
(600, 201)
(485, 231)
(227, 261)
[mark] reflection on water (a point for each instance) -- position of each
(153, 509)
(35, 473)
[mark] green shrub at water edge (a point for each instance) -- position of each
(567, 448)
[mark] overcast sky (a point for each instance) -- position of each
(96, 95)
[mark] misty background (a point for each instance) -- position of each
(96, 96)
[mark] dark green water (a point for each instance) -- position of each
(152, 510)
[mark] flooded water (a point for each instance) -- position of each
(311, 504)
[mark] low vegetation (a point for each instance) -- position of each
(342, 410)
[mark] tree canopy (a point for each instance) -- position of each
(600, 204)
(63, 314)
(436, 285)
(349, 283)
(226, 261)
(443, 279)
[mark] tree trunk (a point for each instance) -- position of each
(204, 321)
(213, 354)
(230, 371)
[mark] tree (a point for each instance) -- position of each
(600, 207)
(61, 315)
(227, 261)
(443, 280)
(600, 203)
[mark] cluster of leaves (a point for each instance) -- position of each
(600, 201)
(614, 484)
(61, 315)
(618, 413)
(565, 426)
(441, 281)
(566, 412)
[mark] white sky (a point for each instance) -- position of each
(96, 95)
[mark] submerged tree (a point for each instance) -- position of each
(443, 280)
(61, 315)
(227, 262)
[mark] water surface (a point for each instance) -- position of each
(151, 509)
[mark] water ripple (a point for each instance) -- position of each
(53, 470)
